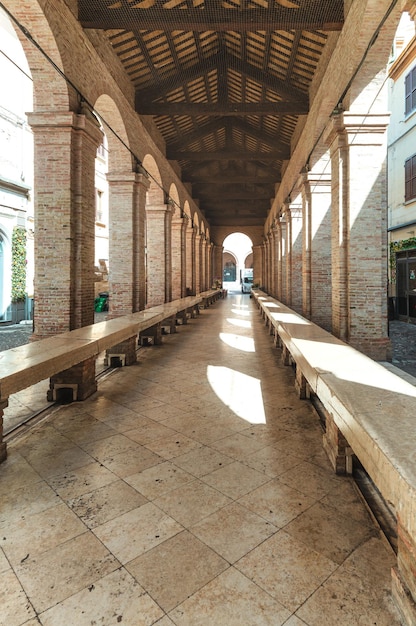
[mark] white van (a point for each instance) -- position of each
(246, 280)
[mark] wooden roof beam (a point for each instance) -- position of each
(325, 15)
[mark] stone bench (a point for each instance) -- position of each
(370, 413)
(69, 359)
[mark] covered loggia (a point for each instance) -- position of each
(267, 119)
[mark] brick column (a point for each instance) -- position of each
(198, 262)
(65, 145)
(209, 274)
(190, 258)
(264, 266)
(159, 261)
(296, 255)
(203, 263)
(179, 224)
(359, 232)
(269, 267)
(127, 279)
(317, 281)
(279, 260)
(217, 253)
(274, 256)
(258, 265)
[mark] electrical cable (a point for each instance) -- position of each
(82, 99)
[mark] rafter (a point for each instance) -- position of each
(235, 123)
(193, 109)
(226, 155)
(163, 88)
(326, 15)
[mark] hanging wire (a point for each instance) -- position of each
(83, 99)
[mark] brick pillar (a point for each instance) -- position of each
(258, 265)
(217, 252)
(127, 279)
(264, 267)
(198, 263)
(282, 268)
(208, 273)
(287, 276)
(272, 274)
(65, 146)
(179, 224)
(268, 273)
(190, 258)
(296, 255)
(159, 262)
(203, 263)
(316, 212)
(359, 232)
(279, 260)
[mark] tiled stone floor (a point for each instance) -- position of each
(192, 490)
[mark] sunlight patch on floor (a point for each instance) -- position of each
(240, 392)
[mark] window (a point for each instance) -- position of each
(410, 178)
(99, 206)
(410, 86)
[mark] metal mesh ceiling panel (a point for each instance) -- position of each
(226, 82)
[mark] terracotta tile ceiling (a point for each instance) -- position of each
(226, 82)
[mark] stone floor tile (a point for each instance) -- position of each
(27, 500)
(106, 503)
(131, 461)
(52, 576)
(4, 563)
(295, 621)
(238, 446)
(277, 503)
(148, 432)
(32, 535)
(310, 479)
(330, 532)
(15, 472)
(235, 480)
(172, 445)
(15, 606)
(177, 568)
(159, 479)
(116, 598)
(202, 461)
(192, 502)
(287, 569)
(349, 598)
(53, 462)
(162, 413)
(219, 531)
(107, 448)
(81, 480)
(272, 462)
(137, 531)
(232, 600)
(165, 621)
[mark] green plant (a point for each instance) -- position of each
(18, 264)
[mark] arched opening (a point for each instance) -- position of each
(238, 262)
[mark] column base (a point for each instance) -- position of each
(376, 349)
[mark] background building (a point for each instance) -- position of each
(16, 179)
(402, 171)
